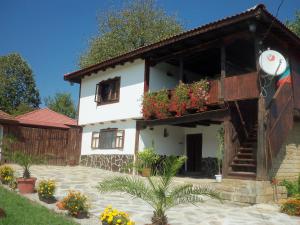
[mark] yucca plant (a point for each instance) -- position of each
(159, 192)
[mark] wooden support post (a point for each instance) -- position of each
(261, 169)
(228, 148)
(223, 73)
(136, 145)
(180, 70)
(146, 75)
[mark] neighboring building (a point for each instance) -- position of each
(44, 133)
(226, 52)
(5, 120)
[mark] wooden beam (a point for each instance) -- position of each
(185, 51)
(146, 75)
(223, 73)
(180, 69)
(218, 115)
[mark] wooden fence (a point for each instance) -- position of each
(55, 146)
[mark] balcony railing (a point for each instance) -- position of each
(240, 87)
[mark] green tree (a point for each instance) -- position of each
(21, 109)
(61, 103)
(159, 192)
(138, 23)
(17, 84)
(295, 24)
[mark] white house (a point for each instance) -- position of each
(110, 104)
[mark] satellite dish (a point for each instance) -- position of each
(272, 62)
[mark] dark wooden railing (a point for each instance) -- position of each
(244, 86)
(280, 120)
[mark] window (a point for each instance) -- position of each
(108, 91)
(108, 139)
(95, 140)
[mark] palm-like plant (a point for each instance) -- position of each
(159, 192)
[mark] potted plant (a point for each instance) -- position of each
(179, 99)
(198, 96)
(156, 105)
(220, 153)
(76, 203)
(112, 216)
(26, 183)
(46, 189)
(146, 159)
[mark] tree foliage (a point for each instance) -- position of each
(159, 192)
(17, 85)
(61, 103)
(295, 24)
(138, 23)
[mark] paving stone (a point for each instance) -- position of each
(209, 213)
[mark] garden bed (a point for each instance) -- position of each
(20, 210)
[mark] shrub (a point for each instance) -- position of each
(76, 203)
(6, 174)
(291, 187)
(46, 188)
(291, 207)
(114, 217)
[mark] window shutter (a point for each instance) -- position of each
(97, 93)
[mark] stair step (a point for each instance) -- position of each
(244, 160)
(242, 174)
(244, 154)
(243, 165)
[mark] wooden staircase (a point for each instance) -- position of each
(243, 164)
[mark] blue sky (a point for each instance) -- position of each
(51, 35)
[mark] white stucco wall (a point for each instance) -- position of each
(159, 79)
(209, 139)
(171, 145)
(129, 140)
(175, 143)
(131, 91)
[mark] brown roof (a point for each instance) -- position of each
(47, 118)
(141, 52)
(6, 118)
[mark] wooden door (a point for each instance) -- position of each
(194, 152)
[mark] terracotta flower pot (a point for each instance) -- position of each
(146, 172)
(26, 185)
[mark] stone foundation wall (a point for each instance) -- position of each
(287, 163)
(107, 162)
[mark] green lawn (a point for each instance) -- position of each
(21, 211)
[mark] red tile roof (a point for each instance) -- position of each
(46, 117)
(4, 117)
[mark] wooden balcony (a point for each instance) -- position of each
(240, 87)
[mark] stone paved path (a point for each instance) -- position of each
(211, 212)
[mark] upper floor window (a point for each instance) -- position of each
(108, 91)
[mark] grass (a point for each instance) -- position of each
(20, 210)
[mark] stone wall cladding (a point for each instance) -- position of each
(107, 162)
(287, 164)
